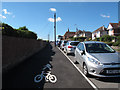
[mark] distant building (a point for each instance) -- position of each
(80, 33)
(68, 35)
(114, 29)
(87, 34)
(99, 32)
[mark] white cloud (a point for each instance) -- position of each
(105, 16)
(52, 9)
(6, 12)
(51, 19)
(2, 16)
(57, 19)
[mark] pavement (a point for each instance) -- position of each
(23, 75)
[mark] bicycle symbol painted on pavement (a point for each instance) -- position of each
(47, 75)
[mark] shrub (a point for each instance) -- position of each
(109, 43)
(118, 39)
(115, 44)
(96, 39)
(106, 38)
(9, 31)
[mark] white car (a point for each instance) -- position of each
(63, 44)
(70, 47)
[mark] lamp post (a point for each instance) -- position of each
(55, 28)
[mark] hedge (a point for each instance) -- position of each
(9, 31)
(106, 38)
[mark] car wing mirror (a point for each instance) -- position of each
(82, 52)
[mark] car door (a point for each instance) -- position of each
(78, 54)
(82, 56)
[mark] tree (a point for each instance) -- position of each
(23, 28)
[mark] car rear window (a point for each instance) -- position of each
(74, 43)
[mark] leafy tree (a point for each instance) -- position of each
(23, 28)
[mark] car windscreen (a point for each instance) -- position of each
(74, 43)
(98, 48)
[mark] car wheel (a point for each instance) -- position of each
(85, 70)
(66, 52)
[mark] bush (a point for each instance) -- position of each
(96, 39)
(115, 44)
(106, 38)
(9, 31)
(118, 39)
(109, 43)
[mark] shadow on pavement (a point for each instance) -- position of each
(110, 79)
(22, 76)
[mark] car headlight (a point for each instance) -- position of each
(94, 61)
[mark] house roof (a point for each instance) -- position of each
(100, 29)
(78, 32)
(69, 34)
(115, 25)
(86, 32)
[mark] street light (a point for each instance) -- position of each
(55, 28)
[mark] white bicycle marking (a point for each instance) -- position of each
(47, 75)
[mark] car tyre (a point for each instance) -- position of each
(85, 70)
(66, 52)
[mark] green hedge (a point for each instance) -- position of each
(106, 38)
(9, 31)
(81, 39)
(109, 43)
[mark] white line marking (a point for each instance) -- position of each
(90, 82)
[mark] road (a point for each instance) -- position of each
(22, 76)
(101, 83)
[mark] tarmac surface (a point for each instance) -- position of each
(22, 76)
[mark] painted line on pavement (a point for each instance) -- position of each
(89, 81)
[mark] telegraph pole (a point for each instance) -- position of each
(48, 37)
(55, 28)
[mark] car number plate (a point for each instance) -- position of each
(112, 71)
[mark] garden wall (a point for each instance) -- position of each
(15, 50)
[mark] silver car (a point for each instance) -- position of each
(63, 42)
(70, 47)
(98, 59)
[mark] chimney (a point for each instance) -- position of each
(68, 29)
(103, 28)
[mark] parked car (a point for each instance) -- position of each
(59, 43)
(70, 47)
(98, 59)
(63, 44)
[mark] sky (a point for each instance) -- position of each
(38, 16)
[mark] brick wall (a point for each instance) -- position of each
(15, 50)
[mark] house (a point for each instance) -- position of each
(99, 32)
(68, 35)
(83, 33)
(77, 33)
(87, 34)
(114, 29)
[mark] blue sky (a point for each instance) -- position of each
(86, 16)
